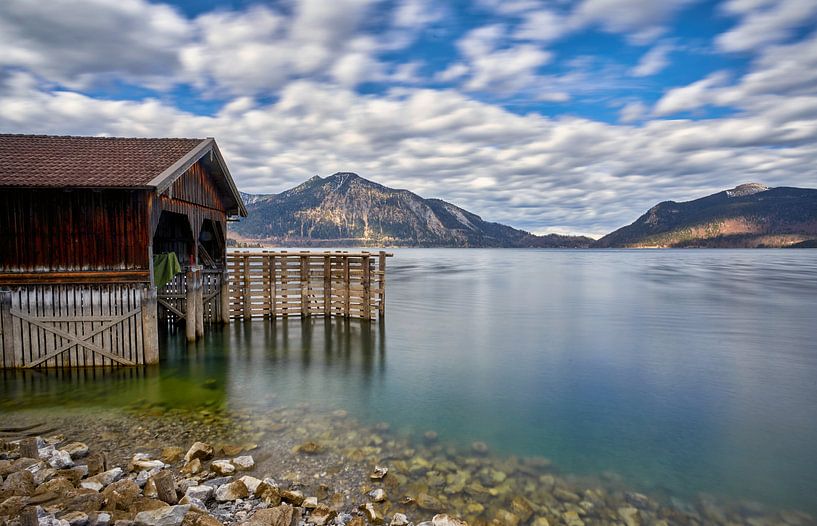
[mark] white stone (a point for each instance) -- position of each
(60, 460)
(91, 484)
(399, 519)
(168, 516)
(203, 493)
(222, 467)
(244, 463)
(251, 483)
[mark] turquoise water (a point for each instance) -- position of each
(684, 371)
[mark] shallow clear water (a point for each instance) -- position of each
(685, 371)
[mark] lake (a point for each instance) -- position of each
(682, 371)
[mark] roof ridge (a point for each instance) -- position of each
(106, 137)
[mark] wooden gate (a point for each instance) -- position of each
(72, 325)
(172, 298)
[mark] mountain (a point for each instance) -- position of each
(347, 210)
(748, 216)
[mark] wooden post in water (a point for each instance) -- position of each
(199, 302)
(9, 351)
(381, 307)
(190, 306)
(327, 285)
(347, 290)
(225, 297)
(367, 290)
(246, 289)
(304, 286)
(150, 333)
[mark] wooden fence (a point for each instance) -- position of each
(280, 284)
(74, 326)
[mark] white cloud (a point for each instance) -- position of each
(764, 22)
(642, 20)
(542, 26)
(455, 71)
(633, 111)
(693, 96)
(572, 173)
(79, 43)
(653, 61)
(416, 14)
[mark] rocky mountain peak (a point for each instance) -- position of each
(746, 189)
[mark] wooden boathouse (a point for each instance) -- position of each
(81, 219)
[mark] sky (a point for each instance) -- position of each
(548, 115)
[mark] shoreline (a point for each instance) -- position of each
(329, 459)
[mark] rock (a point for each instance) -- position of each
(430, 436)
(75, 449)
(150, 489)
(192, 467)
(103, 479)
(200, 451)
(12, 506)
(84, 500)
(572, 518)
(203, 493)
(371, 513)
(630, 516)
(309, 448)
(447, 520)
(475, 508)
(171, 455)
(377, 495)
(103, 519)
(565, 495)
(143, 462)
(222, 467)
(194, 503)
(43, 475)
(378, 472)
(194, 518)
(322, 515)
(278, 516)
(429, 503)
(479, 447)
(120, 494)
(60, 460)
(522, 507)
(268, 492)
(20, 483)
(506, 518)
(76, 518)
(252, 483)
(231, 450)
(310, 503)
(638, 500)
(292, 497)
(232, 491)
(50, 520)
(399, 519)
(167, 516)
(243, 463)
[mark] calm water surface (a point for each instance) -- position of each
(684, 371)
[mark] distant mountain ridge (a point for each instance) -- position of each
(345, 209)
(747, 216)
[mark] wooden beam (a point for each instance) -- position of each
(114, 276)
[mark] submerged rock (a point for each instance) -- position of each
(378, 472)
(427, 502)
(377, 495)
(399, 519)
(444, 519)
(480, 448)
(630, 516)
(371, 513)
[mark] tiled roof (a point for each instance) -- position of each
(97, 162)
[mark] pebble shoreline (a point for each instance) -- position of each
(295, 468)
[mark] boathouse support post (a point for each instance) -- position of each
(190, 306)
(327, 285)
(225, 297)
(367, 289)
(381, 306)
(9, 351)
(150, 333)
(199, 302)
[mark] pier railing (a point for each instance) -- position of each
(272, 284)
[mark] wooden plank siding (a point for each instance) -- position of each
(49, 230)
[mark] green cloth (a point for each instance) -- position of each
(165, 266)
